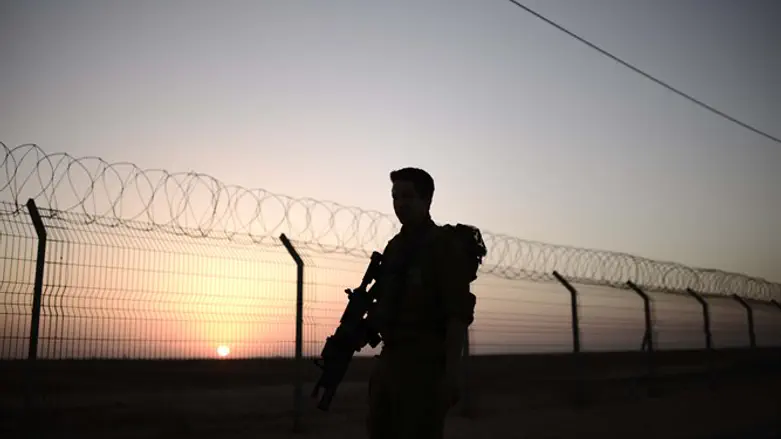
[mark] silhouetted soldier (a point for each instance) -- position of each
(423, 313)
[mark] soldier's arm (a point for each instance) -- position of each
(458, 301)
(388, 252)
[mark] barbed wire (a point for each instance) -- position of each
(198, 205)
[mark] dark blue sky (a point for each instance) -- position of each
(526, 131)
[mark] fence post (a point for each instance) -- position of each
(709, 360)
(705, 317)
(776, 303)
(579, 391)
(466, 407)
(649, 328)
(298, 387)
(35, 320)
(752, 338)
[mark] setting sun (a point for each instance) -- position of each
(223, 351)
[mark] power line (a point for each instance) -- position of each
(646, 75)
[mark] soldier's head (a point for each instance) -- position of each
(413, 190)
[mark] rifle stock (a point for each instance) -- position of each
(353, 334)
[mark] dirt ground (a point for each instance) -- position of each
(690, 404)
(696, 409)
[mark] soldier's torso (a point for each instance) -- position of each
(410, 304)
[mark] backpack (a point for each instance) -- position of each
(471, 240)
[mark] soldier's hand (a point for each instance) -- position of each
(448, 390)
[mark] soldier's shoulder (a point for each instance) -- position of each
(446, 238)
(395, 238)
(393, 242)
(462, 241)
(461, 235)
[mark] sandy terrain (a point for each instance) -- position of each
(730, 401)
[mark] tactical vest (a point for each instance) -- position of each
(406, 258)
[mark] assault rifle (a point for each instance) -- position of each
(352, 335)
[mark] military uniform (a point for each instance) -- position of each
(424, 285)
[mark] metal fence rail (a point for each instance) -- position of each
(97, 291)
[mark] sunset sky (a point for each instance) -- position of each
(526, 131)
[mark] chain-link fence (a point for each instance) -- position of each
(130, 292)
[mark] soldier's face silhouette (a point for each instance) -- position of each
(409, 206)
